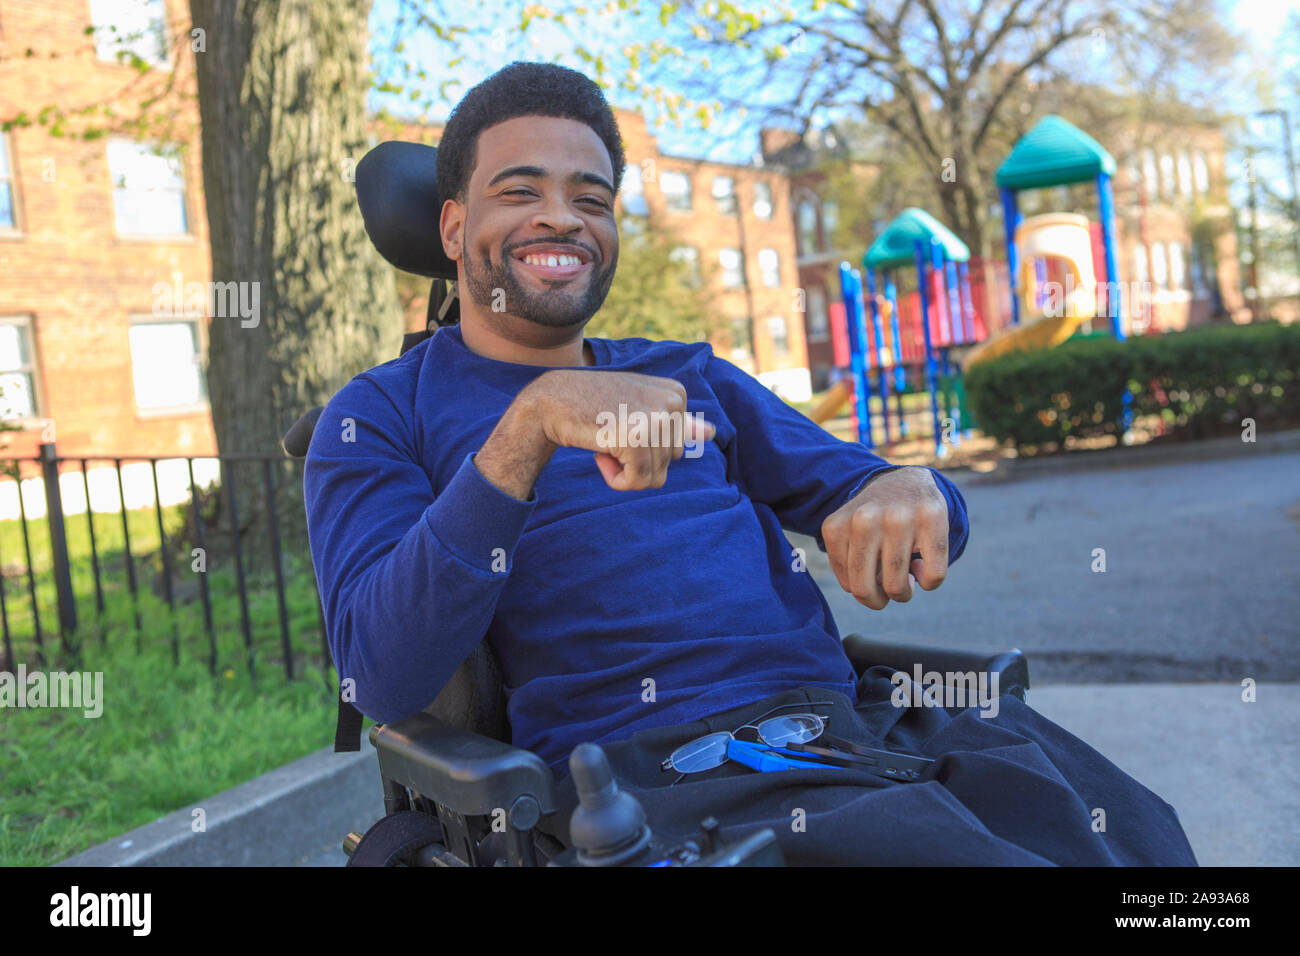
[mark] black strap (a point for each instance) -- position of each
(347, 732)
(395, 838)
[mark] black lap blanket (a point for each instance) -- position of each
(1012, 789)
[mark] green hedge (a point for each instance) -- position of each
(1198, 381)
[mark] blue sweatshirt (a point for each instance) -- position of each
(609, 611)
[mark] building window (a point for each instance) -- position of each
(130, 28)
(818, 318)
(1159, 272)
(17, 370)
(676, 186)
(689, 257)
(769, 264)
(807, 227)
(1150, 175)
(1184, 174)
(1177, 274)
(1198, 259)
(8, 216)
(830, 216)
(763, 200)
(733, 268)
(1167, 183)
(148, 190)
(779, 332)
(1140, 263)
(166, 364)
(1201, 172)
(632, 193)
(724, 194)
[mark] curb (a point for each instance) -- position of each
(1138, 456)
(282, 818)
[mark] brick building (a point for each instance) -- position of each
(103, 243)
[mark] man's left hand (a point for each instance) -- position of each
(871, 540)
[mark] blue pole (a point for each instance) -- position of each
(968, 311)
(946, 274)
(1108, 244)
(929, 349)
(1112, 284)
(861, 386)
(1011, 218)
(882, 381)
(900, 373)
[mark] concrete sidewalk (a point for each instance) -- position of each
(1227, 766)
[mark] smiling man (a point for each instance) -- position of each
(635, 596)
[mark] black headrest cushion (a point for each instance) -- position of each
(397, 190)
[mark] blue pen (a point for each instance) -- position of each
(766, 759)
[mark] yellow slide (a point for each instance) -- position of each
(1051, 236)
(839, 395)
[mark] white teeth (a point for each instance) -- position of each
(544, 260)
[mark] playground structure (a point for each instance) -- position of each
(886, 340)
(1052, 273)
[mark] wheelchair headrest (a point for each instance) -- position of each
(397, 190)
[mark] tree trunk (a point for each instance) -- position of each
(282, 95)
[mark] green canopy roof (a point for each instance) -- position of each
(896, 245)
(1054, 153)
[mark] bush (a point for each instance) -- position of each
(1198, 381)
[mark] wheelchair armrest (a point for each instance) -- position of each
(1008, 663)
(464, 771)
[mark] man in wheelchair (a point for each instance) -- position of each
(607, 515)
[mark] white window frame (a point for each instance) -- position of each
(9, 181)
(672, 196)
(108, 44)
(764, 208)
(734, 270)
(724, 195)
(773, 322)
(200, 357)
(27, 336)
(769, 266)
(183, 190)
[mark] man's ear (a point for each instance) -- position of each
(451, 223)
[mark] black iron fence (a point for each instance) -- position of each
(50, 564)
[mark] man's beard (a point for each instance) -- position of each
(555, 307)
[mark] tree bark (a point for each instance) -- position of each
(282, 96)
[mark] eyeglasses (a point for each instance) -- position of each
(712, 750)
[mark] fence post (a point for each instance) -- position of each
(59, 543)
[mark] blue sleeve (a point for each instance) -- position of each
(785, 460)
(407, 581)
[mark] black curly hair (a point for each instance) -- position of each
(522, 89)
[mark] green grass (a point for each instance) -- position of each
(170, 734)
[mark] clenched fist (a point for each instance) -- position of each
(896, 525)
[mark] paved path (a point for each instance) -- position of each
(1202, 578)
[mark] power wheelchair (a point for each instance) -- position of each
(456, 793)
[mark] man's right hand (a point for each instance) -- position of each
(579, 408)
